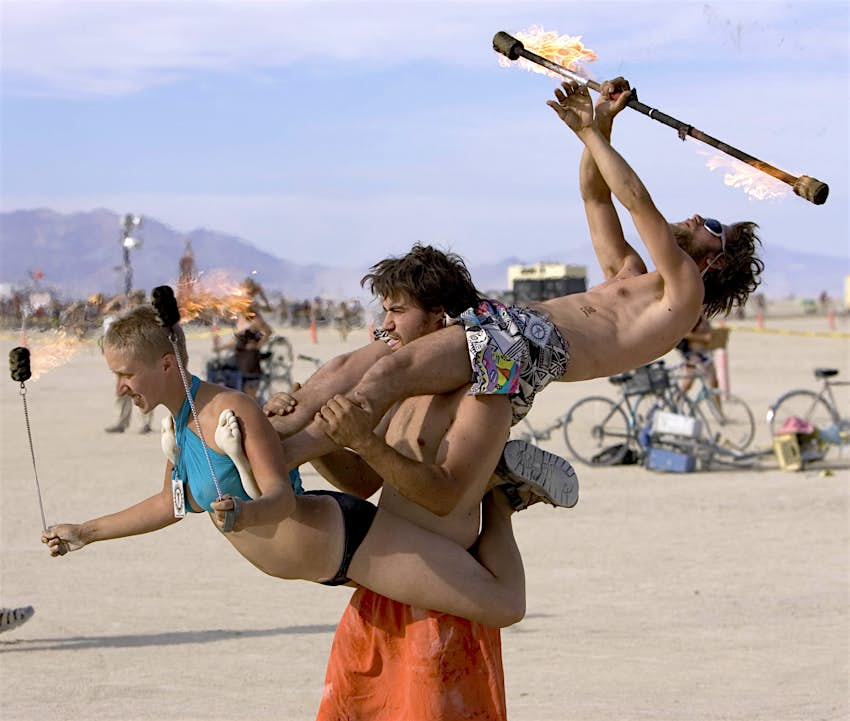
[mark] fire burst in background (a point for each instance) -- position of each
(214, 294)
(51, 350)
(749, 179)
(566, 50)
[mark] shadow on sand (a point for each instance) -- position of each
(172, 638)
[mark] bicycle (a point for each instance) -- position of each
(595, 425)
(725, 417)
(276, 366)
(820, 409)
(599, 431)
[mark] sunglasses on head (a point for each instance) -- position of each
(715, 227)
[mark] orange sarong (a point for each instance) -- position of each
(392, 662)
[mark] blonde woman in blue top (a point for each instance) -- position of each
(321, 536)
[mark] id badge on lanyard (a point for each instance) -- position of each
(178, 497)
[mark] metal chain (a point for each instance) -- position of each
(194, 413)
(32, 453)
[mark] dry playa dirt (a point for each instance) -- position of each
(713, 595)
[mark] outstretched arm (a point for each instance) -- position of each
(678, 271)
(613, 252)
(149, 515)
(466, 459)
(348, 472)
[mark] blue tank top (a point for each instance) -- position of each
(192, 465)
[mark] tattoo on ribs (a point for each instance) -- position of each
(587, 310)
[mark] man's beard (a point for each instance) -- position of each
(684, 239)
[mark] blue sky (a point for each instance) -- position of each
(342, 132)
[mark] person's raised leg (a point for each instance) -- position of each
(338, 375)
(496, 547)
(435, 363)
(409, 564)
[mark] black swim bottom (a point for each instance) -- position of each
(357, 517)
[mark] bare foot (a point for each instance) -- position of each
(168, 440)
(228, 437)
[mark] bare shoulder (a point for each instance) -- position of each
(684, 283)
(259, 436)
(222, 399)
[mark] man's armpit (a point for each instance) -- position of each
(633, 265)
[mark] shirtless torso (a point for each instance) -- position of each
(419, 428)
(624, 322)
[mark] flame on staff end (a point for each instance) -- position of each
(51, 350)
(214, 294)
(752, 181)
(566, 50)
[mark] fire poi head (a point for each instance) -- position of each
(19, 364)
(550, 50)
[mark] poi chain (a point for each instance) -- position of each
(163, 300)
(19, 366)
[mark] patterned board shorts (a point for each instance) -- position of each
(513, 351)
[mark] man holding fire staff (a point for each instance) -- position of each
(632, 318)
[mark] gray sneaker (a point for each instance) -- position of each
(13, 617)
(536, 475)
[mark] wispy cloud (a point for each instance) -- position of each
(119, 47)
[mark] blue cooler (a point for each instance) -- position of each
(660, 459)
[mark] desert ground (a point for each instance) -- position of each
(721, 594)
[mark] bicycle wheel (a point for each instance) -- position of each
(802, 404)
(673, 401)
(279, 378)
(732, 421)
(594, 424)
(645, 405)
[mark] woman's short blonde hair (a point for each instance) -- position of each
(139, 332)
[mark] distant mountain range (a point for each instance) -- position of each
(80, 253)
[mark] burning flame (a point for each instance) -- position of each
(565, 50)
(50, 351)
(751, 180)
(214, 294)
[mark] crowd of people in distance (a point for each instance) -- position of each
(49, 309)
